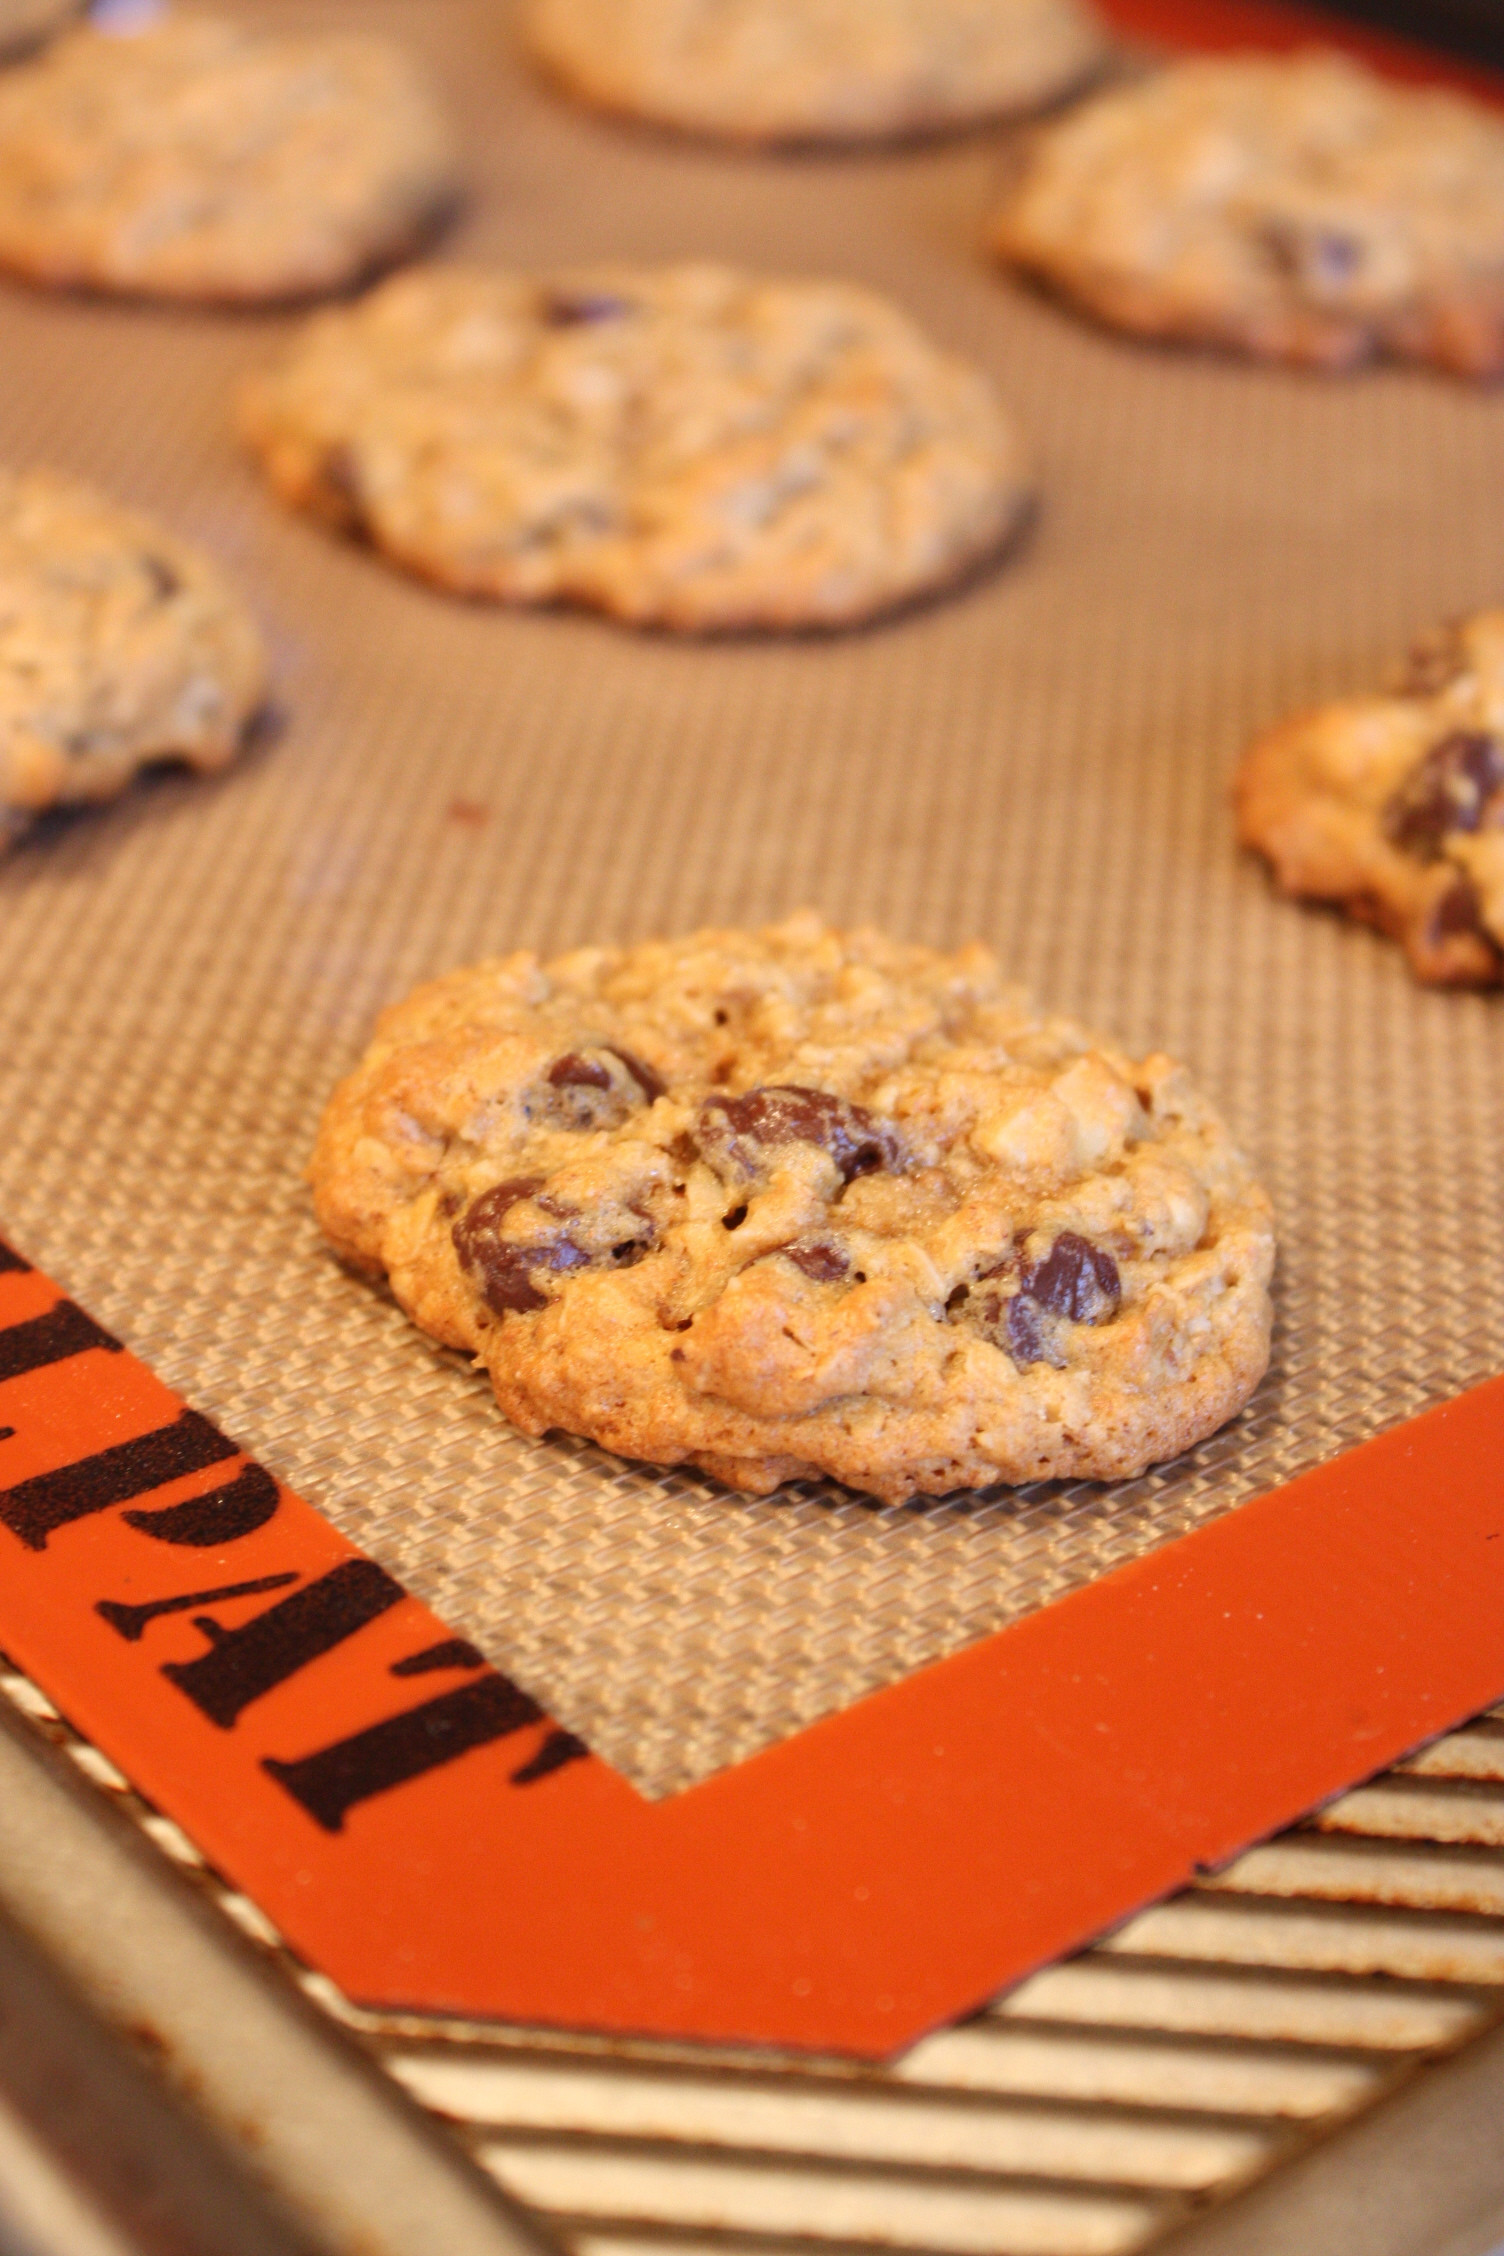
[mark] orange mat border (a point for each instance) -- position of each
(420, 1832)
(1220, 25)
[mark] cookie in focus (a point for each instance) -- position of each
(1298, 208)
(120, 646)
(183, 156)
(679, 446)
(769, 71)
(798, 1202)
(1393, 806)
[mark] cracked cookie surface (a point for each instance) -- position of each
(1299, 208)
(119, 645)
(1393, 806)
(191, 158)
(815, 70)
(683, 446)
(797, 1202)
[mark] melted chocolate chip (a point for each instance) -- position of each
(576, 1072)
(854, 1138)
(647, 1080)
(574, 309)
(1445, 792)
(505, 1271)
(486, 1211)
(1023, 1332)
(824, 1264)
(1075, 1279)
(587, 1094)
(1075, 1282)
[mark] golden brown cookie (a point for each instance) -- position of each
(798, 1202)
(682, 446)
(816, 70)
(1394, 805)
(181, 156)
(1297, 207)
(119, 646)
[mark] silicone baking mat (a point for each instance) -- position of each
(1041, 759)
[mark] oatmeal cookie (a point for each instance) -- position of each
(798, 1202)
(185, 157)
(119, 646)
(682, 446)
(1394, 806)
(1299, 208)
(816, 70)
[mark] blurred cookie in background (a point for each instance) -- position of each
(1393, 806)
(1299, 208)
(682, 446)
(181, 156)
(816, 70)
(119, 646)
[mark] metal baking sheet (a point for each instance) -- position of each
(1041, 759)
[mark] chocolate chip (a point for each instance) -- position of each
(1323, 256)
(646, 1079)
(486, 1211)
(574, 309)
(576, 1072)
(823, 1264)
(1336, 257)
(854, 1138)
(1445, 792)
(590, 1095)
(506, 1270)
(735, 1219)
(505, 1282)
(1075, 1282)
(1024, 1332)
(1075, 1279)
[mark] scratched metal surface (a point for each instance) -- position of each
(1040, 760)
(1102, 2107)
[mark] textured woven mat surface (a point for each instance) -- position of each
(1040, 760)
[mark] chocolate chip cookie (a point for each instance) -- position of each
(1300, 208)
(1394, 805)
(119, 646)
(815, 70)
(682, 446)
(797, 1202)
(185, 157)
